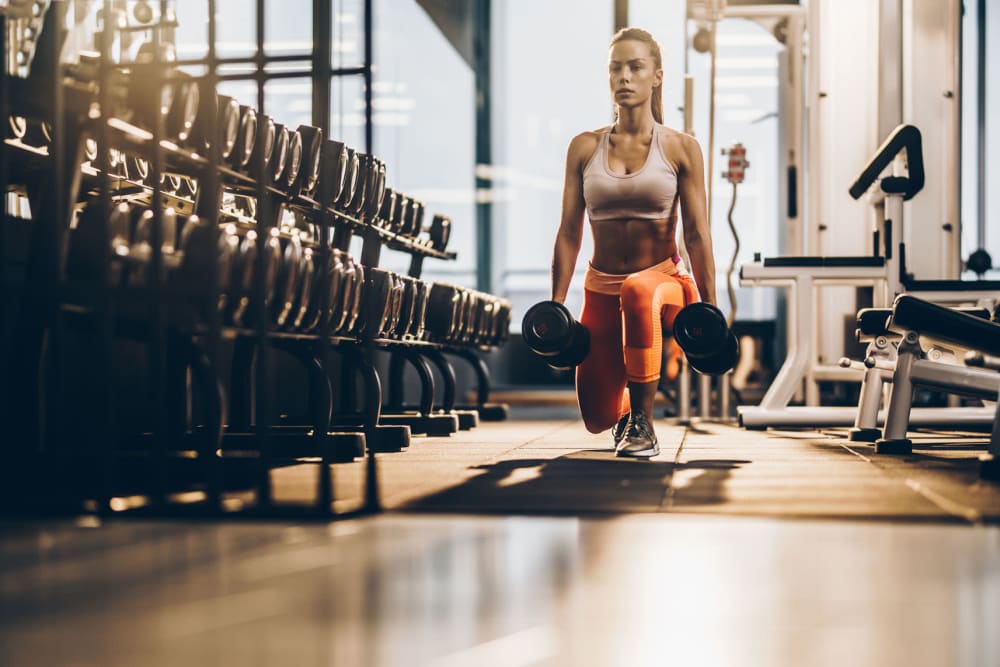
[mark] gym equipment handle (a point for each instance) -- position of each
(904, 137)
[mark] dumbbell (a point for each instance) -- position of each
(16, 127)
(293, 165)
(289, 276)
(263, 149)
(227, 125)
(406, 306)
(374, 198)
(312, 151)
(244, 269)
(418, 321)
(333, 173)
(246, 139)
(440, 232)
(183, 113)
(388, 209)
(350, 181)
(711, 347)
(279, 155)
(226, 112)
(400, 214)
(353, 310)
(550, 330)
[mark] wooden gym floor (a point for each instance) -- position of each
(528, 543)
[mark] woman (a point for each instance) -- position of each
(630, 179)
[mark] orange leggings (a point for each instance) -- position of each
(634, 307)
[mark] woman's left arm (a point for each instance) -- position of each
(697, 234)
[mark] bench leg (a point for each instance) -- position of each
(897, 418)
(989, 467)
(872, 387)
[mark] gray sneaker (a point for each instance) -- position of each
(639, 440)
(618, 431)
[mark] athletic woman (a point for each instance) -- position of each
(630, 179)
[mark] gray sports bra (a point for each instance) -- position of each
(647, 194)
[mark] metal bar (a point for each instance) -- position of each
(981, 122)
(6, 302)
(264, 77)
(621, 14)
(484, 145)
(262, 380)
(259, 60)
(246, 60)
(209, 201)
(957, 379)
(369, 126)
(158, 332)
(322, 66)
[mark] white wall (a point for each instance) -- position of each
(842, 114)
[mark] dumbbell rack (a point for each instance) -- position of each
(178, 319)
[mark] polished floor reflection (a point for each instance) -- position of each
(450, 590)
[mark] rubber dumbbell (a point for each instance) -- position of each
(700, 329)
(246, 138)
(312, 151)
(550, 330)
(289, 275)
(279, 155)
(440, 232)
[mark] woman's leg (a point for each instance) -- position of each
(650, 301)
(600, 378)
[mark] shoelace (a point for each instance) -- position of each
(618, 430)
(639, 427)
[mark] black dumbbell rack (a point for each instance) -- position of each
(69, 292)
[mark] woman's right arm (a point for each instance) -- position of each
(570, 234)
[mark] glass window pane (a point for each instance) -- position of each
(192, 29)
(244, 92)
(349, 26)
(235, 27)
(347, 111)
(288, 27)
(289, 101)
(424, 124)
(535, 115)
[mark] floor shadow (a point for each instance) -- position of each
(581, 482)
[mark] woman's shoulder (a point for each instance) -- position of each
(584, 144)
(679, 146)
(589, 137)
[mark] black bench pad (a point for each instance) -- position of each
(945, 324)
(824, 261)
(913, 285)
(872, 321)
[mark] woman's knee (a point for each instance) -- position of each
(637, 292)
(599, 423)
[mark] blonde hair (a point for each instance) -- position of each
(640, 35)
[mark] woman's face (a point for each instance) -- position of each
(632, 73)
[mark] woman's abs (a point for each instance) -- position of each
(627, 246)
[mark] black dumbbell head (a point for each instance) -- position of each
(312, 148)
(700, 329)
(279, 156)
(574, 353)
(294, 162)
(722, 361)
(547, 327)
(227, 125)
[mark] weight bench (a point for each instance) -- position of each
(884, 271)
(913, 317)
(878, 367)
